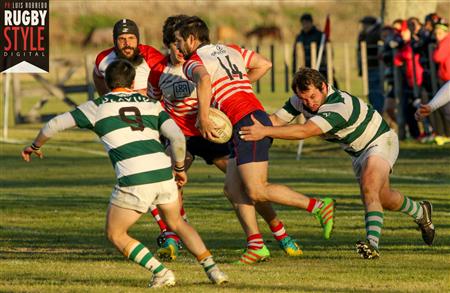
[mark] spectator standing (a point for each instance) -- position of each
(442, 53)
(370, 33)
(412, 76)
(308, 35)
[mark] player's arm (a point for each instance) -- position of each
(100, 84)
(203, 80)
(173, 133)
(257, 67)
(277, 121)
(441, 98)
(291, 132)
(55, 125)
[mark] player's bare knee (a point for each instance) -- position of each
(370, 197)
(113, 236)
(257, 194)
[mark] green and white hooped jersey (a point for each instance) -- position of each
(343, 118)
(128, 125)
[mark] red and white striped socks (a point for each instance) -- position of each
(255, 242)
(278, 231)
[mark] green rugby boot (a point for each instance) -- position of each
(253, 256)
(290, 246)
(325, 215)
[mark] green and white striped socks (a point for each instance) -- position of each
(140, 254)
(374, 223)
(412, 208)
(206, 261)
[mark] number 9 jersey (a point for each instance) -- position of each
(231, 89)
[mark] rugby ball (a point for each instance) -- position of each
(222, 122)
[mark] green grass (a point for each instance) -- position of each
(53, 214)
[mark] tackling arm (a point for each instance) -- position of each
(291, 132)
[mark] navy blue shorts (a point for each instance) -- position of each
(199, 146)
(250, 151)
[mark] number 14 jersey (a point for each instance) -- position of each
(232, 91)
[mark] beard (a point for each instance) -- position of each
(135, 59)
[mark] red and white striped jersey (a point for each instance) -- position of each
(151, 57)
(232, 91)
(179, 96)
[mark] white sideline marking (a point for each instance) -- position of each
(319, 170)
(55, 146)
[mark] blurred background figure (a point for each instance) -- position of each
(391, 40)
(441, 56)
(310, 34)
(371, 34)
(412, 73)
(442, 53)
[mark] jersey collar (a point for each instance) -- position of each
(122, 90)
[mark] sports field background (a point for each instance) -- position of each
(53, 215)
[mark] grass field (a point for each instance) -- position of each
(53, 214)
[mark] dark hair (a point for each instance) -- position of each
(193, 25)
(398, 20)
(120, 73)
(305, 77)
(169, 28)
(306, 17)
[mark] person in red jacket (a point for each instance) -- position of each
(442, 53)
(410, 60)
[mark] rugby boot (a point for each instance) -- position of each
(366, 250)
(161, 238)
(325, 215)
(169, 250)
(163, 279)
(290, 246)
(253, 256)
(216, 276)
(425, 224)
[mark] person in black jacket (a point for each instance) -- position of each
(308, 35)
(370, 33)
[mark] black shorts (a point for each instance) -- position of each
(199, 146)
(250, 151)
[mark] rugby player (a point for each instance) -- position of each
(342, 118)
(129, 125)
(219, 72)
(178, 94)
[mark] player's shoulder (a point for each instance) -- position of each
(102, 55)
(235, 47)
(151, 55)
(157, 70)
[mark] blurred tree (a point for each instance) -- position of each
(406, 8)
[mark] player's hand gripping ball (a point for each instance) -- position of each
(224, 129)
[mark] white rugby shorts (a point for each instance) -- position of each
(386, 146)
(141, 197)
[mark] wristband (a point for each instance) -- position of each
(34, 147)
(178, 169)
